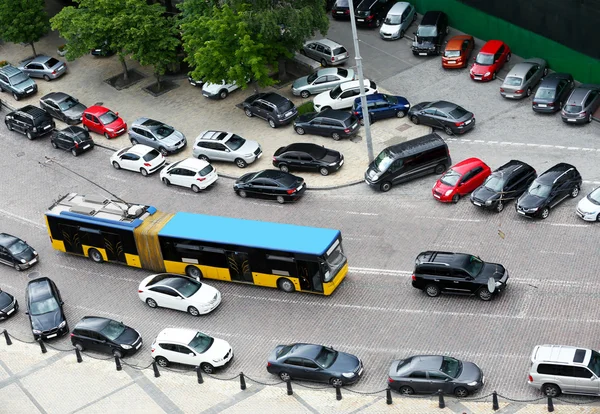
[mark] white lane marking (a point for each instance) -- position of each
(266, 204)
(449, 219)
(371, 271)
(356, 213)
(591, 182)
(22, 219)
(79, 270)
(568, 225)
(528, 144)
(561, 253)
(110, 177)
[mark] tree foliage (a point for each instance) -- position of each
(23, 21)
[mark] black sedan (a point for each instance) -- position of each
(328, 123)
(8, 305)
(553, 92)
(270, 184)
(549, 189)
(74, 139)
(105, 335)
(16, 252)
(301, 156)
(44, 307)
(63, 107)
(314, 363)
(452, 118)
(426, 374)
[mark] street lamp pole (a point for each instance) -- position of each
(361, 83)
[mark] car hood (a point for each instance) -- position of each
(442, 188)
(128, 337)
(172, 139)
(218, 349)
(27, 254)
(530, 201)
(75, 111)
(25, 84)
(480, 69)
(331, 156)
(5, 300)
(345, 363)
(390, 28)
(249, 147)
(424, 42)
(244, 178)
(322, 98)
(470, 372)
(483, 193)
(47, 321)
(204, 295)
(214, 88)
(300, 82)
(494, 270)
(116, 124)
(587, 206)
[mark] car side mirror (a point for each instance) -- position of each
(116, 113)
(227, 150)
(26, 312)
(460, 184)
(415, 33)
(62, 302)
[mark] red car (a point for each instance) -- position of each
(490, 59)
(457, 52)
(460, 180)
(103, 121)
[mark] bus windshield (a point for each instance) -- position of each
(335, 260)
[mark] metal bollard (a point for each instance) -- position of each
(7, 337)
(550, 405)
(442, 404)
(495, 405)
(155, 368)
(118, 363)
(242, 381)
(388, 396)
(199, 374)
(289, 387)
(42, 345)
(338, 392)
(78, 355)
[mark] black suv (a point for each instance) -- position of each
(45, 309)
(458, 273)
(301, 156)
(273, 108)
(328, 123)
(506, 183)
(549, 189)
(30, 121)
(430, 34)
(105, 335)
(371, 13)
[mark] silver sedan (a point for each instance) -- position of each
(523, 77)
(321, 80)
(45, 67)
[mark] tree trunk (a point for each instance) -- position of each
(282, 69)
(255, 85)
(158, 85)
(33, 47)
(124, 64)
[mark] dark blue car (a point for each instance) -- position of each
(382, 106)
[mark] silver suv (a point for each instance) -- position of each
(225, 146)
(557, 369)
(157, 135)
(16, 82)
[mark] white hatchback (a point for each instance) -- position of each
(139, 158)
(190, 347)
(343, 95)
(588, 207)
(191, 173)
(167, 290)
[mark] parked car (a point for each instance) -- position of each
(218, 90)
(321, 80)
(548, 189)
(45, 309)
(103, 121)
(197, 83)
(371, 13)
(558, 369)
(381, 106)
(588, 207)
(305, 156)
(16, 82)
(325, 51)
(436, 272)
(523, 77)
(460, 180)
(452, 118)
(139, 158)
(430, 34)
(581, 104)
(157, 135)
(273, 108)
(270, 184)
(74, 139)
(329, 123)
(30, 121)
(341, 10)
(553, 92)
(506, 183)
(427, 374)
(314, 363)
(398, 20)
(105, 335)
(490, 60)
(190, 173)
(45, 67)
(16, 253)
(458, 52)
(64, 107)
(178, 292)
(103, 50)
(343, 95)
(8, 305)
(190, 347)
(226, 146)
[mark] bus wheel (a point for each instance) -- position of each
(193, 271)
(95, 256)
(286, 285)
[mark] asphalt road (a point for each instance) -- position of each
(376, 314)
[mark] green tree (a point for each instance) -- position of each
(23, 21)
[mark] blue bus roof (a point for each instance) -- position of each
(250, 233)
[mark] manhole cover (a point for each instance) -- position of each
(33, 275)
(20, 154)
(403, 127)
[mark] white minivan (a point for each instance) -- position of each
(397, 21)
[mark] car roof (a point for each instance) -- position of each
(7, 239)
(150, 123)
(10, 70)
(431, 17)
(513, 165)
(354, 84)
(34, 111)
(140, 149)
(94, 323)
(39, 59)
(272, 174)
(214, 135)
(335, 114)
(326, 42)
(303, 147)
(73, 130)
(443, 105)
(56, 96)
(304, 350)
(181, 335)
(552, 79)
(426, 362)
(551, 174)
(452, 259)
(96, 110)
(456, 42)
(274, 98)
(193, 163)
(467, 164)
(412, 146)
(520, 69)
(39, 288)
(562, 354)
(399, 7)
(329, 71)
(491, 46)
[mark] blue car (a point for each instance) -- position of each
(382, 106)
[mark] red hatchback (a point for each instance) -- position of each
(103, 121)
(457, 52)
(490, 59)
(460, 180)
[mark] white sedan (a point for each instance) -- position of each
(588, 207)
(343, 95)
(179, 292)
(190, 347)
(191, 173)
(139, 158)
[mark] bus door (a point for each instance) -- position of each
(114, 247)
(70, 236)
(309, 275)
(239, 266)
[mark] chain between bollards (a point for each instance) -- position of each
(7, 337)
(338, 392)
(242, 381)
(289, 387)
(388, 396)
(42, 345)
(155, 369)
(78, 355)
(442, 404)
(199, 375)
(118, 363)
(550, 405)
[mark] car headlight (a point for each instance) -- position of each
(23, 261)
(333, 164)
(498, 284)
(406, 105)
(348, 374)
(375, 177)
(448, 192)
(533, 210)
(248, 155)
(34, 253)
(35, 331)
(126, 346)
(110, 130)
(62, 324)
(471, 71)
(472, 383)
(487, 74)
(489, 202)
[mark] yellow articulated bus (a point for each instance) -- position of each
(288, 257)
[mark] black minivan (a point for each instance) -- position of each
(402, 162)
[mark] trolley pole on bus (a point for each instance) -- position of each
(361, 83)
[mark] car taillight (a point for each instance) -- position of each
(355, 113)
(530, 378)
(459, 124)
(152, 350)
(583, 113)
(413, 277)
(550, 104)
(291, 191)
(54, 72)
(347, 130)
(347, 12)
(77, 145)
(268, 364)
(72, 335)
(147, 164)
(274, 159)
(370, 17)
(390, 380)
(519, 91)
(201, 179)
(501, 89)
(140, 291)
(332, 58)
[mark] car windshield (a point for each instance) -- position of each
(594, 196)
(452, 53)
(341, 3)
(326, 357)
(43, 306)
(151, 155)
(311, 78)
(393, 19)
(539, 190)
(187, 287)
(594, 364)
(201, 342)
(494, 183)
(474, 266)
(113, 330)
(513, 81)
(67, 104)
(391, 99)
(342, 72)
(164, 131)
(18, 78)
(284, 351)
(51, 62)
(458, 112)
(383, 160)
(572, 109)
(451, 367)
(108, 118)
(484, 59)
(18, 247)
(427, 31)
(235, 142)
(335, 260)
(545, 93)
(450, 178)
(335, 92)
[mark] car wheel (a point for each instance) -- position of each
(144, 172)
(74, 152)
(280, 199)
(545, 213)
(16, 96)
(494, 76)
(484, 294)
(193, 311)
(300, 131)
(117, 354)
(240, 163)
(324, 171)
(448, 130)
(286, 285)
(86, 128)
(589, 118)
(207, 368)
(242, 194)
(47, 78)
(385, 186)
(106, 135)
(508, 57)
(305, 94)
(415, 119)
(440, 168)
(151, 303)
(161, 361)
(325, 108)
(400, 114)
(79, 346)
(193, 272)
(285, 377)
(461, 392)
(401, 34)
(95, 256)
(598, 217)
(323, 62)
(336, 382)
(195, 188)
(166, 181)
(248, 113)
(223, 94)
(575, 192)
(499, 207)
(54, 144)
(335, 136)
(302, 52)
(406, 390)
(377, 22)
(203, 157)
(134, 141)
(163, 151)
(17, 267)
(551, 390)
(455, 198)
(29, 135)
(529, 91)
(272, 123)
(284, 168)
(432, 290)
(8, 125)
